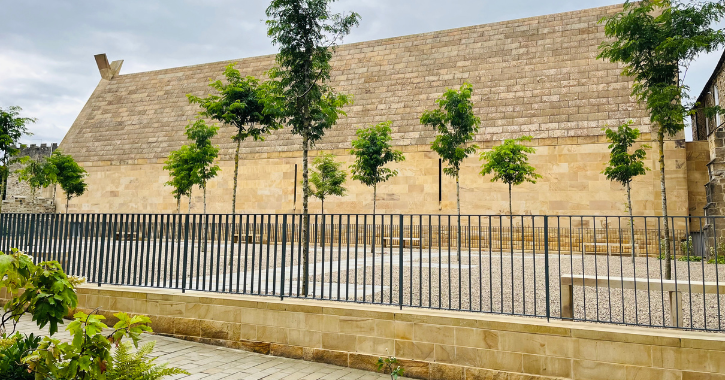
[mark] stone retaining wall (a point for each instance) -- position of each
(432, 344)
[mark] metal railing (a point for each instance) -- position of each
(587, 268)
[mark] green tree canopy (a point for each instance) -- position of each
(623, 166)
(372, 151)
(180, 169)
(69, 175)
(327, 178)
(654, 39)
(38, 173)
(12, 129)
(202, 154)
(509, 163)
(456, 126)
(307, 32)
(242, 102)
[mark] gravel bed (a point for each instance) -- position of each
(499, 282)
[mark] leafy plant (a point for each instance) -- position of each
(88, 354)
(509, 162)
(372, 151)
(307, 33)
(49, 295)
(653, 39)
(139, 365)
(12, 351)
(327, 178)
(456, 126)
(391, 366)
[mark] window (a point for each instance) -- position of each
(717, 103)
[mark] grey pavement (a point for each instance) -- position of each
(215, 363)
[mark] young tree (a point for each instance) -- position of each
(244, 104)
(372, 151)
(180, 170)
(39, 173)
(202, 154)
(623, 167)
(307, 32)
(456, 126)
(654, 39)
(509, 162)
(327, 178)
(69, 175)
(12, 129)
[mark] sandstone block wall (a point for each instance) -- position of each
(537, 76)
(431, 344)
(572, 185)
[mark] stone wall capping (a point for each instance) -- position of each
(431, 344)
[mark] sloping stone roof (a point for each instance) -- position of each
(537, 76)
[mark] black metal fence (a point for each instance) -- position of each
(588, 268)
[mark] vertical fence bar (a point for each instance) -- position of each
(400, 262)
(284, 256)
(186, 252)
(546, 267)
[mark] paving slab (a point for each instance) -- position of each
(208, 362)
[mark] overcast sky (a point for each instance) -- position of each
(47, 46)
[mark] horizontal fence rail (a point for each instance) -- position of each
(586, 268)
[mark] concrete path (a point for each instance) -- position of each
(215, 363)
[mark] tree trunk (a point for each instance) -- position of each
(189, 201)
(67, 200)
(458, 195)
(236, 174)
(204, 198)
(178, 205)
(375, 200)
(305, 216)
(458, 207)
(661, 146)
(511, 210)
(631, 217)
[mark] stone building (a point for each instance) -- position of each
(537, 76)
(19, 197)
(708, 129)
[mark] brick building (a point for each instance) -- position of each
(537, 76)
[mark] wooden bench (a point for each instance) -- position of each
(674, 288)
(395, 242)
(251, 239)
(128, 236)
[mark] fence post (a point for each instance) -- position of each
(400, 261)
(284, 256)
(186, 253)
(546, 267)
(102, 262)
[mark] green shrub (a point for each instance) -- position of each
(12, 351)
(129, 365)
(719, 259)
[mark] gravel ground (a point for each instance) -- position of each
(497, 282)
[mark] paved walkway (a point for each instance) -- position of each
(215, 363)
